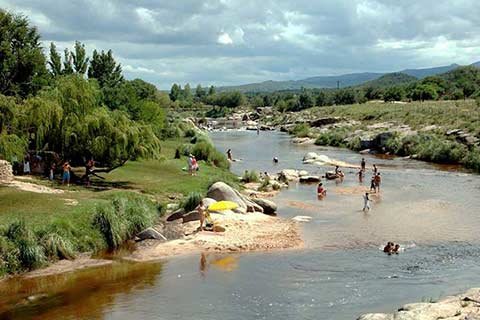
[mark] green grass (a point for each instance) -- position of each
(105, 215)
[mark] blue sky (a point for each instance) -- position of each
(225, 42)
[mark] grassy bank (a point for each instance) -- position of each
(38, 228)
(426, 139)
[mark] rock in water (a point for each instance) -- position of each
(150, 233)
(288, 175)
(309, 179)
(269, 207)
(221, 191)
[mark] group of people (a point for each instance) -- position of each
(192, 165)
(391, 248)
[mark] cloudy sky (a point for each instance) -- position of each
(225, 42)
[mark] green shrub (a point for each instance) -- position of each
(190, 132)
(30, 255)
(123, 217)
(191, 201)
(335, 138)
(250, 176)
(472, 160)
(301, 130)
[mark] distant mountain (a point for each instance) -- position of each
(390, 79)
(345, 80)
(423, 73)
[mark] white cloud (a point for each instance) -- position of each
(133, 69)
(224, 38)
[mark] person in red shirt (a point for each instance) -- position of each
(321, 190)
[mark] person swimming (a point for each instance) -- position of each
(275, 160)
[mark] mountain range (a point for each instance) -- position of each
(344, 80)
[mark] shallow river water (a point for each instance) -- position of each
(431, 211)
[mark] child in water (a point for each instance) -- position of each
(321, 191)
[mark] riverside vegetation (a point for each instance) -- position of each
(436, 131)
(77, 108)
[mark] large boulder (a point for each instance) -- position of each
(176, 215)
(6, 174)
(221, 191)
(191, 216)
(150, 233)
(269, 207)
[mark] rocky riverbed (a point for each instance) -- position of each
(464, 306)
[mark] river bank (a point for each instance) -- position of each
(465, 306)
(418, 130)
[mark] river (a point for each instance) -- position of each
(432, 211)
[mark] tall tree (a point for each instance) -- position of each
(67, 62)
(175, 92)
(211, 90)
(200, 92)
(105, 69)
(187, 91)
(55, 61)
(22, 63)
(80, 59)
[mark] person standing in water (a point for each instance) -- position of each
(321, 190)
(229, 154)
(377, 181)
(372, 184)
(360, 175)
(362, 164)
(366, 202)
(375, 170)
(258, 131)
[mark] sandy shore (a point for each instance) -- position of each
(249, 232)
(243, 232)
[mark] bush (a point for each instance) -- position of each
(331, 138)
(301, 130)
(204, 150)
(250, 176)
(191, 201)
(472, 160)
(123, 217)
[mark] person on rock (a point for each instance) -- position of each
(229, 154)
(201, 213)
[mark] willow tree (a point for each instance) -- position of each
(70, 120)
(13, 143)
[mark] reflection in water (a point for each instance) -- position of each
(83, 294)
(223, 262)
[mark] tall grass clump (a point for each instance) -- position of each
(191, 201)
(30, 254)
(56, 246)
(250, 176)
(123, 217)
